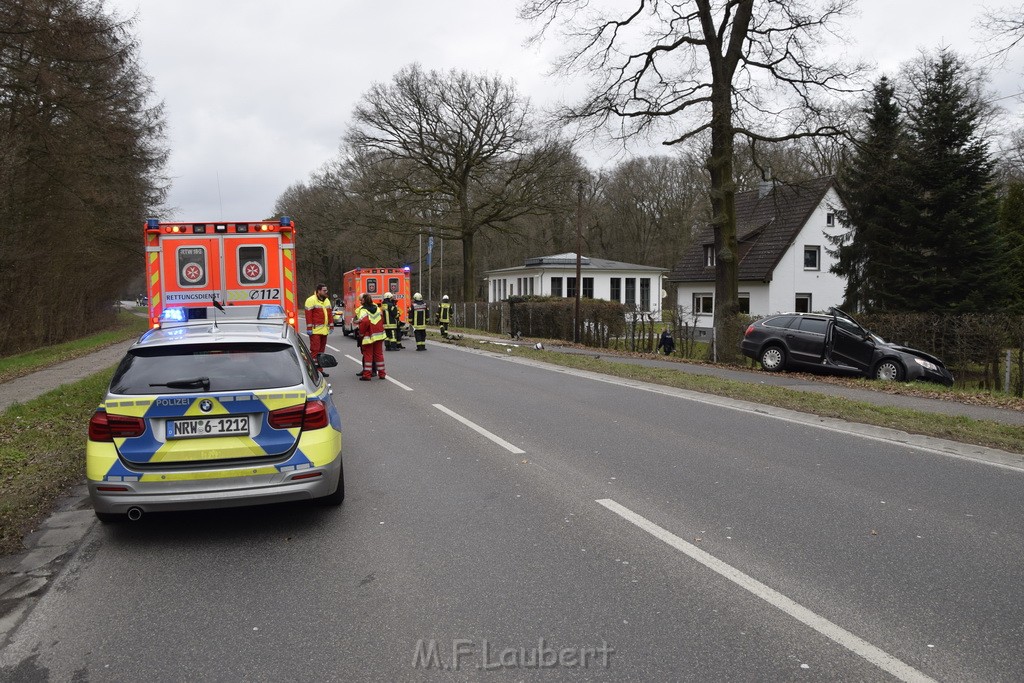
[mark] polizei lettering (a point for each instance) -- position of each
(173, 401)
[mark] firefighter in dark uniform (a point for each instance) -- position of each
(444, 315)
(418, 315)
(389, 309)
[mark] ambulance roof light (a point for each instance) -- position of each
(152, 223)
(285, 221)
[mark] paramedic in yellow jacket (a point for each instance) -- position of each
(319, 320)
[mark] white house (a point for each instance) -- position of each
(627, 283)
(782, 231)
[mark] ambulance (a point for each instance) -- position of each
(372, 281)
(233, 269)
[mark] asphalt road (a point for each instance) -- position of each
(518, 521)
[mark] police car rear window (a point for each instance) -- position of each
(227, 367)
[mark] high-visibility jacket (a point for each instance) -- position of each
(371, 325)
(319, 315)
(391, 315)
(418, 315)
(444, 313)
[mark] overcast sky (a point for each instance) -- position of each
(258, 92)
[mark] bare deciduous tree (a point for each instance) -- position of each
(454, 153)
(680, 70)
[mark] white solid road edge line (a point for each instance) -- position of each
(480, 430)
(855, 644)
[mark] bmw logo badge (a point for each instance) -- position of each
(206, 405)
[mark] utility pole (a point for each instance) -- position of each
(578, 324)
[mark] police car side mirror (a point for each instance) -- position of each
(326, 360)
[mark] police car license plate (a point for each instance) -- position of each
(208, 426)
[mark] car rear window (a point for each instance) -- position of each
(228, 367)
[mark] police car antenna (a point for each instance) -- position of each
(219, 307)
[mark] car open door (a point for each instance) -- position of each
(850, 344)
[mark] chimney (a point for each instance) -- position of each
(766, 185)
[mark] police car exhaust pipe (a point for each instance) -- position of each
(134, 514)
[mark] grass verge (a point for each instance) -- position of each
(963, 429)
(42, 453)
(128, 326)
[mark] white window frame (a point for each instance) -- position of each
(830, 219)
(796, 302)
(699, 301)
(812, 249)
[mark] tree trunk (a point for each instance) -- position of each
(723, 220)
(468, 266)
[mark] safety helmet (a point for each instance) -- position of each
(444, 298)
(388, 295)
(417, 297)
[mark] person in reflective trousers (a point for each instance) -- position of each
(418, 314)
(389, 309)
(444, 315)
(371, 334)
(319, 320)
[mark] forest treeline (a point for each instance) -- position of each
(81, 164)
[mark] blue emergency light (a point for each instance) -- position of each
(173, 315)
(270, 312)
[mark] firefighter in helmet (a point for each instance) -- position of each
(444, 315)
(418, 314)
(390, 310)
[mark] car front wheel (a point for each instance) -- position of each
(773, 359)
(889, 371)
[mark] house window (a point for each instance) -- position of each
(630, 291)
(570, 287)
(504, 288)
(803, 303)
(830, 219)
(645, 294)
(703, 303)
(588, 287)
(744, 301)
(556, 286)
(709, 255)
(531, 286)
(812, 258)
(617, 289)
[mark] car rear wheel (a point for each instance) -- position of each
(773, 358)
(338, 497)
(889, 370)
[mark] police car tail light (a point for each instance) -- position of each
(311, 415)
(104, 427)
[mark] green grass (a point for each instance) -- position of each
(963, 429)
(42, 453)
(128, 327)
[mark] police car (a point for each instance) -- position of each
(210, 414)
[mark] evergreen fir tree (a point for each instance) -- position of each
(873, 185)
(956, 259)
(1011, 228)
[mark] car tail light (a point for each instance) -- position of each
(311, 415)
(750, 328)
(106, 427)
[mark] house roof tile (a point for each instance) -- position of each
(765, 228)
